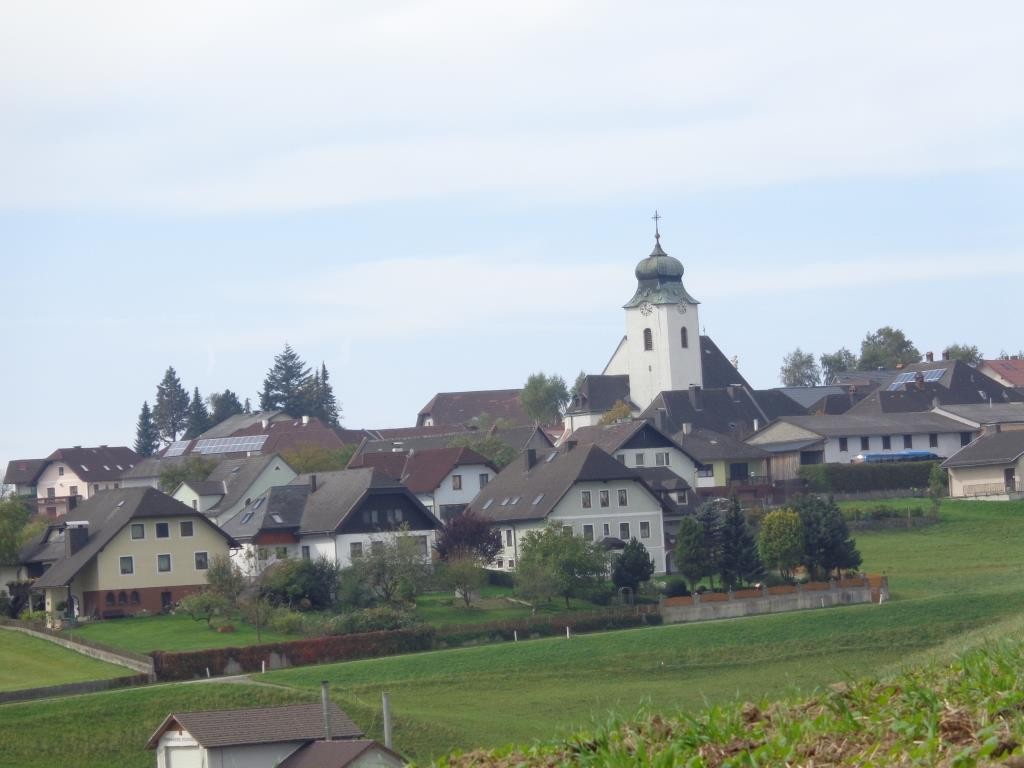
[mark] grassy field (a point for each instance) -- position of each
(28, 662)
(959, 579)
(171, 633)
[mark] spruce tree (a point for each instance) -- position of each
(198, 416)
(224, 405)
(740, 562)
(283, 387)
(328, 409)
(710, 520)
(170, 413)
(147, 437)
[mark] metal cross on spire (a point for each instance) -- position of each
(656, 217)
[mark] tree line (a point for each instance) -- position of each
(885, 348)
(290, 386)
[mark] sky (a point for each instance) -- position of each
(450, 195)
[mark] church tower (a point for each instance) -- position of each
(662, 344)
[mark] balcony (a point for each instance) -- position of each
(1010, 489)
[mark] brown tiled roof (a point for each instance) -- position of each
(267, 725)
(464, 407)
(24, 471)
(333, 754)
(424, 470)
(101, 463)
(1011, 370)
(391, 463)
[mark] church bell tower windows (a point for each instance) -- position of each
(684, 337)
(649, 340)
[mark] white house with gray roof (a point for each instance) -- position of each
(233, 484)
(582, 488)
(992, 467)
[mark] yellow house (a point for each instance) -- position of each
(129, 550)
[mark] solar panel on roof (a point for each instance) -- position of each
(230, 444)
(908, 376)
(176, 448)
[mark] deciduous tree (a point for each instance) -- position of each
(15, 514)
(619, 412)
(147, 436)
(316, 458)
(840, 361)
(170, 413)
(193, 468)
(394, 570)
(567, 565)
(543, 398)
(465, 576)
(468, 535)
(799, 370)
(781, 543)
(225, 578)
(886, 348)
(205, 605)
(964, 353)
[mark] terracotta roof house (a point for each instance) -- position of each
(1008, 372)
(992, 467)
(129, 550)
(582, 488)
(255, 738)
(70, 475)
(409, 439)
(233, 484)
(338, 515)
(466, 408)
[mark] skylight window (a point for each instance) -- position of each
(258, 502)
(246, 518)
(106, 467)
(551, 457)
(487, 503)
(277, 518)
(504, 502)
(119, 466)
(537, 500)
(85, 468)
(515, 500)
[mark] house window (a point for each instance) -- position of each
(933, 440)
(355, 549)
(684, 337)
(624, 531)
(508, 537)
(186, 528)
(965, 438)
(377, 547)
(74, 490)
(705, 470)
(127, 565)
(122, 598)
(421, 545)
(117, 485)
(661, 458)
(281, 553)
(109, 598)
(602, 497)
(163, 563)
(484, 480)
(500, 562)
(865, 443)
(163, 531)
(623, 499)
(135, 597)
(607, 529)
(51, 493)
(842, 444)
(305, 552)
(202, 561)
(588, 532)
(648, 340)
(60, 471)
(138, 530)
(585, 499)
(456, 482)
(639, 459)
(511, 563)
(262, 553)
(886, 442)
(621, 457)
(95, 487)
(567, 530)
(908, 441)
(645, 529)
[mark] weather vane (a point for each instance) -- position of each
(656, 217)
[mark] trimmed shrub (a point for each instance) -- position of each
(676, 587)
(854, 478)
(545, 626)
(501, 579)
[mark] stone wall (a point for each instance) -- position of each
(752, 602)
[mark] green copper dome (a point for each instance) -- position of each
(660, 280)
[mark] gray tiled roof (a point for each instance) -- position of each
(851, 423)
(463, 407)
(707, 446)
(24, 471)
(996, 413)
(333, 754)
(1000, 448)
(267, 725)
(613, 437)
(537, 489)
(238, 475)
(286, 502)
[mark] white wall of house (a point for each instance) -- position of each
(947, 443)
(642, 514)
(671, 458)
(470, 484)
(345, 542)
(668, 365)
(961, 479)
(275, 473)
(190, 498)
(66, 482)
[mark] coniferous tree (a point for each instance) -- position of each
(827, 541)
(198, 416)
(224, 405)
(284, 385)
(710, 520)
(170, 413)
(329, 410)
(740, 562)
(633, 566)
(147, 437)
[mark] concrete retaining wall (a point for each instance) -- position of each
(676, 610)
(141, 664)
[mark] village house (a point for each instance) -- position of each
(465, 409)
(640, 444)
(130, 550)
(233, 484)
(337, 515)
(582, 488)
(1009, 372)
(297, 735)
(991, 467)
(70, 475)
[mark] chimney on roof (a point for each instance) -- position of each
(76, 535)
(696, 397)
(531, 457)
(570, 445)
(312, 483)
(264, 423)
(929, 356)
(945, 354)
(992, 429)
(687, 427)
(325, 703)
(305, 420)
(77, 446)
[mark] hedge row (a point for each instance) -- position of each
(852, 478)
(546, 626)
(188, 665)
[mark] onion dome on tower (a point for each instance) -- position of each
(660, 278)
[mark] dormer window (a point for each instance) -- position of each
(648, 340)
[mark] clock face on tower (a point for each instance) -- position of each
(646, 308)
(681, 306)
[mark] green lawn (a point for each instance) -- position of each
(960, 579)
(28, 662)
(441, 609)
(170, 633)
